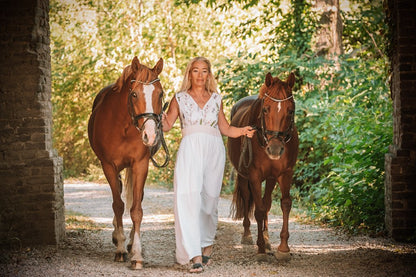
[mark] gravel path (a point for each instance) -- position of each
(316, 251)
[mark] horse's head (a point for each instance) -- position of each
(277, 114)
(144, 100)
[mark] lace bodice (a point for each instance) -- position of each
(191, 114)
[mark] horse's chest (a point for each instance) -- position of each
(268, 167)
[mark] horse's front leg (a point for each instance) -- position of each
(139, 177)
(283, 250)
(267, 200)
(118, 207)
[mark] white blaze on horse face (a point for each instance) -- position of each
(279, 106)
(150, 126)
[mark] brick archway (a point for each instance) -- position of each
(31, 191)
(400, 164)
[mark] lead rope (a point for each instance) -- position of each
(243, 160)
(162, 139)
(165, 148)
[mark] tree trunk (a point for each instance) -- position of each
(328, 38)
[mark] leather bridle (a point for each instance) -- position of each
(157, 118)
(265, 135)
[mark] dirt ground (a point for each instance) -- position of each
(88, 250)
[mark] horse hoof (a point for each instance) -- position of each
(120, 257)
(247, 240)
(263, 257)
(282, 256)
(268, 246)
(136, 265)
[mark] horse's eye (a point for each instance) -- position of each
(266, 109)
(134, 94)
(161, 95)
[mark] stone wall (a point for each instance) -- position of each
(400, 164)
(31, 183)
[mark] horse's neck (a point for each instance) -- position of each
(253, 113)
(116, 102)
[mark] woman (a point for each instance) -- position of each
(200, 162)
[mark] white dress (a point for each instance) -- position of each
(198, 176)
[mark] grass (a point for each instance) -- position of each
(78, 222)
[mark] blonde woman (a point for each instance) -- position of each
(200, 162)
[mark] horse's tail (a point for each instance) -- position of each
(128, 189)
(238, 204)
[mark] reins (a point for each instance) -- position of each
(157, 118)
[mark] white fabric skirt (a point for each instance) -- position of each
(198, 178)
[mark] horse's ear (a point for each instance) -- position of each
(158, 67)
(269, 79)
(135, 65)
(291, 80)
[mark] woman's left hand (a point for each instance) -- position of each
(248, 131)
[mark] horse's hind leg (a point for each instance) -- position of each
(283, 250)
(118, 208)
(267, 200)
(259, 213)
(245, 195)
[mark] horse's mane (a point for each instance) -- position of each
(116, 87)
(122, 79)
(254, 111)
(144, 75)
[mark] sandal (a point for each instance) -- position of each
(206, 260)
(197, 268)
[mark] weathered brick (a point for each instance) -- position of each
(400, 162)
(30, 170)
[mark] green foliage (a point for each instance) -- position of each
(356, 127)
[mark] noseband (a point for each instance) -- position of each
(267, 135)
(157, 118)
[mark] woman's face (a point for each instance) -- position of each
(199, 74)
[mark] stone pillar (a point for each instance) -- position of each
(400, 163)
(31, 183)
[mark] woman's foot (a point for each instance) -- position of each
(197, 266)
(206, 255)
(206, 260)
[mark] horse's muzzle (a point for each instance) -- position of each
(150, 135)
(275, 149)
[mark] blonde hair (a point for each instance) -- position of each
(210, 85)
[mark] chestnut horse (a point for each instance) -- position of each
(123, 129)
(269, 156)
